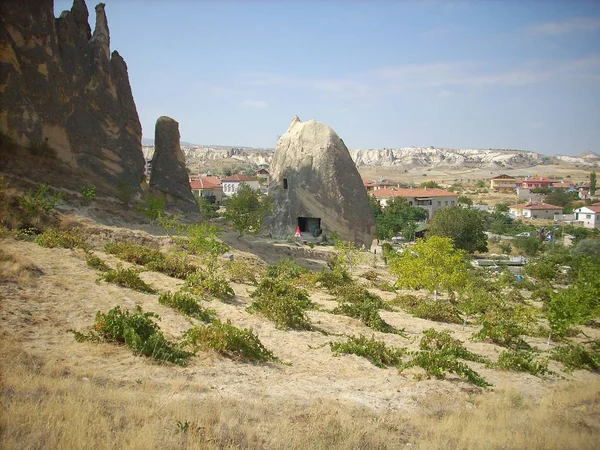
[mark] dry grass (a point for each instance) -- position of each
(46, 406)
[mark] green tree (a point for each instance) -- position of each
(247, 209)
(465, 200)
(560, 197)
(430, 184)
(463, 225)
(396, 217)
(375, 206)
(434, 264)
(502, 207)
(208, 207)
(593, 183)
(589, 248)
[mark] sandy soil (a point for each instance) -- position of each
(50, 291)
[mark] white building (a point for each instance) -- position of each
(589, 215)
(231, 184)
(430, 199)
(536, 210)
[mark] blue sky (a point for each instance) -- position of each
(382, 74)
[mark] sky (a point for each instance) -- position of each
(383, 74)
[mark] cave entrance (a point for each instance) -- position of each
(310, 225)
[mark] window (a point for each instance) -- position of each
(285, 183)
(440, 203)
(452, 202)
(446, 202)
(588, 216)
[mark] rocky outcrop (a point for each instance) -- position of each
(61, 86)
(316, 186)
(169, 175)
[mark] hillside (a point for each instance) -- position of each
(202, 158)
(68, 394)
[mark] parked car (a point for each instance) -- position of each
(524, 234)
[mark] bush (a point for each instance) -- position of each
(208, 208)
(575, 356)
(503, 324)
(152, 206)
(370, 275)
(282, 303)
(52, 238)
(443, 341)
(88, 193)
(174, 264)
(522, 361)
(242, 271)
(366, 308)
(40, 203)
(436, 310)
(371, 349)
(134, 253)
(138, 331)
(96, 263)
(188, 305)
(202, 239)
(129, 278)
(203, 282)
(286, 269)
(229, 341)
(334, 279)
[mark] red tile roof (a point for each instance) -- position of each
(237, 178)
(535, 206)
(205, 183)
(414, 192)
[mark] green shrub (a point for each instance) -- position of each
(437, 362)
(208, 209)
(443, 341)
(96, 263)
(188, 305)
(373, 350)
(88, 193)
(368, 313)
(40, 203)
(138, 331)
(576, 356)
(370, 275)
(174, 264)
(436, 310)
(134, 253)
(129, 278)
(504, 324)
(228, 340)
(52, 238)
(522, 361)
(334, 279)
(152, 206)
(242, 271)
(203, 239)
(202, 283)
(286, 269)
(282, 303)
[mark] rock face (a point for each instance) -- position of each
(317, 186)
(60, 85)
(169, 175)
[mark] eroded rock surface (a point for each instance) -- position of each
(169, 175)
(316, 186)
(61, 86)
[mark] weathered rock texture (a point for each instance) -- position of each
(169, 175)
(60, 84)
(314, 177)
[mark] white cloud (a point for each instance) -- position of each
(255, 104)
(566, 26)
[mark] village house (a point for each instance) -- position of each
(207, 187)
(589, 216)
(430, 199)
(503, 183)
(534, 182)
(382, 183)
(231, 184)
(264, 177)
(535, 210)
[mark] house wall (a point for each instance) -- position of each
(231, 187)
(588, 218)
(429, 204)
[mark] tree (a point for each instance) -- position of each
(502, 207)
(208, 207)
(434, 264)
(375, 206)
(589, 248)
(430, 184)
(465, 200)
(246, 210)
(395, 217)
(593, 183)
(464, 226)
(559, 197)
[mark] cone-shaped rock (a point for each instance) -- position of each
(169, 175)
(317, 187)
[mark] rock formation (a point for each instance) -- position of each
(61, 86)
(316, 186)
(169, 175)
